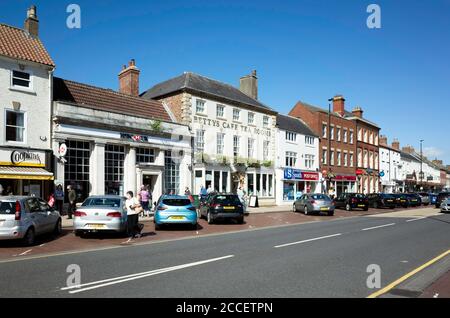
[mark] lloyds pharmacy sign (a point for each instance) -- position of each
(236, 127)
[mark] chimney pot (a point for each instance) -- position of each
(339, 105)
(129, 79)
(358, 112)
(32, 22)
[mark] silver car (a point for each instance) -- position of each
(445, 206)
(425, 197)
(314, 203)
(101, 214)
(25, 217)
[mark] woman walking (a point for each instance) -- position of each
(133, 210)
(59, 197)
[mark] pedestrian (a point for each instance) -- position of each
(241, 195)
(51, 200)
(59, 197)
(145, 199)
(72, 195)
(187, 191)
(210, 189)
(9, 191)
(133, 210)
(1, 190)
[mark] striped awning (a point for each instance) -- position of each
(25, 173)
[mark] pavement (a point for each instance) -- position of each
(329, 258)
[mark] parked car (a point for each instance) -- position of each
(433, 198)
(175, 209)
(414, 199)
(401, 200)
(381, 200)
(424, 197)
(221, 206)
(101, 213)
(314, 203)
(445, 206)
(25, 217)
(351, 201)
(440, 198)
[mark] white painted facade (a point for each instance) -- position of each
(390, 168)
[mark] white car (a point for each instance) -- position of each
(445, 206)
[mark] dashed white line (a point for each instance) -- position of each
(416, 219)
(309, 240)
(25, 253)
(377, 227)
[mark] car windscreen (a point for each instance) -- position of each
(387, 196)
(227, 199)
(358, 196)
(320, 197)
(106, 202)
(176, 202)
(7, 207)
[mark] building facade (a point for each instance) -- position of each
(390, 167)
(234, 133)
(108, 142)
(297, 160)
(26, 71)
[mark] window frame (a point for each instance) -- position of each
(217, 110)
(22, 88)
(25, 123)
(197, 101)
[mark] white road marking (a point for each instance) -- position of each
(417, 219)
(436, 295)
(129, 240)
(25, 253)
(309, 240)
(122, 279)
(377, 227)
(41, 245)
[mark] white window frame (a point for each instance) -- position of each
(309, 140)
(250, 147)
(266, 121)
(22, 88)
(324, 156)
(291, 136)
(290, 159)
(236, 146)
(338, 133)
(218, 115)
(220, 145)
(266, 145)
(238, 112)
(200, 139)
(25, 123)
(252, 116)
(345, 135)
(203, 111)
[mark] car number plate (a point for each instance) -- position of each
(177, 217)
(228, 207)
(361, 205)
(324, 209)
(96, 226)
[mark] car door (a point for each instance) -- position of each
(49, 217)
(33, 207)
(303, 199)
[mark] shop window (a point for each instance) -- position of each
(76, 170)
(114, 169)
(145, 155)
(288, 191)
(250, 184)
(224, 181)
(172, 173)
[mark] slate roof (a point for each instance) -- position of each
(189, 81)
(294, 125)
(405, 155)
(107, 100)
(18, 44)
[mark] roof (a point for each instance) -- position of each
(294, 124)
(18, 44)
(405, 155)
(201, 84)
(107, 100)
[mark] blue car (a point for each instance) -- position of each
(433, 198)
(175, 209)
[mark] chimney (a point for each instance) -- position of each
(383, 140)
(358, 112)
(249, 85)
(339, 104)
(438, 162)
(396, 144)
(129, 79)
(32, 22)
(408, 149)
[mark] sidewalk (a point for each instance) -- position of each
(270, 209)
(66, 223)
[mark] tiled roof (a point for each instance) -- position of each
(202, 84)
(18, 44)
(294, 124)
(107, 100)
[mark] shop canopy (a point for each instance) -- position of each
(25, 173)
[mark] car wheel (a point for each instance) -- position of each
(29, 237)
(375, 205)
(240, 220)
(294, 209)
(366, 209)
(306, 210)
(209, 218)
(58, 228)
(194, 226)
(157, 227)
(330, 213)
(348, 207)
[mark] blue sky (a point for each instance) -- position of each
(303, 50)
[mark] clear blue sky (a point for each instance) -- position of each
(303, 50)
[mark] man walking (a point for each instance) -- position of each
(72, 195)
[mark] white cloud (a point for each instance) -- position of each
(432, 152)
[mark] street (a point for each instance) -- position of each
(317, 259)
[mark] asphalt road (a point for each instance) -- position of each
(324, 259)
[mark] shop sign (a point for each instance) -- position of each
(295, 174)
(18, 157)
(345, 178)
(232, 126)
(135, 138)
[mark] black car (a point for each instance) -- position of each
(441, 197)
(222, 206)
(381, 200)
(401, 200)
(350, 201)
(414, 199)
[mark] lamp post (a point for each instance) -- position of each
(421, 163)
(329, 144)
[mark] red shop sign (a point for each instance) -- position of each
(345, 178)
(310, 176)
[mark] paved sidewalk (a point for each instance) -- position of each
(270, 209)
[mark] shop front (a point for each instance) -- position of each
(294, 183)
(25, 172)
(344, 184)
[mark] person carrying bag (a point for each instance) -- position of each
(133, 209)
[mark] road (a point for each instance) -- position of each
(323, 259)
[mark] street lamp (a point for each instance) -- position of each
(329, 144)
(421, 163)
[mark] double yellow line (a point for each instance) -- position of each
(405, 277)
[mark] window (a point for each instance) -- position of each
(21, 79)
(365, 136)
(220, 139)
(309, 140)
(338, 134)
(366, 159)
(200, 141)
(359, 134)
(250, 148)
(200, 106)
(251, 118)
(376, 139)
(171, 173)
(324, 131)
(291, 159)
(360, 160)
(371, 138)
(324, 156)
(76, 169)
(309, 161)
(266, 150)
(332, 132)
(220, 111)
(114, 160)
(265, 121)
(345, 159)
(236, 114)
(236, 146)
(338, 157)
(345, 135)
(291, 136)
(376, 161)
(15, 126)
(332, 158)
(351, 160)
(371, 160)
(145, 155)
(351, 136)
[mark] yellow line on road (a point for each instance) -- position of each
(405, 277)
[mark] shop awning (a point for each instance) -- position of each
(25, 173)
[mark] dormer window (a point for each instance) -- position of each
(21, 79)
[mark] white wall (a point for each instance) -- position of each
(389, 163)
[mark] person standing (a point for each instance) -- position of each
(59, 197)
(210, 189)
(145, 195)
(133, 207)
(187, 191)
(72, 196)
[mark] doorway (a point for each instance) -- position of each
(149, 181)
